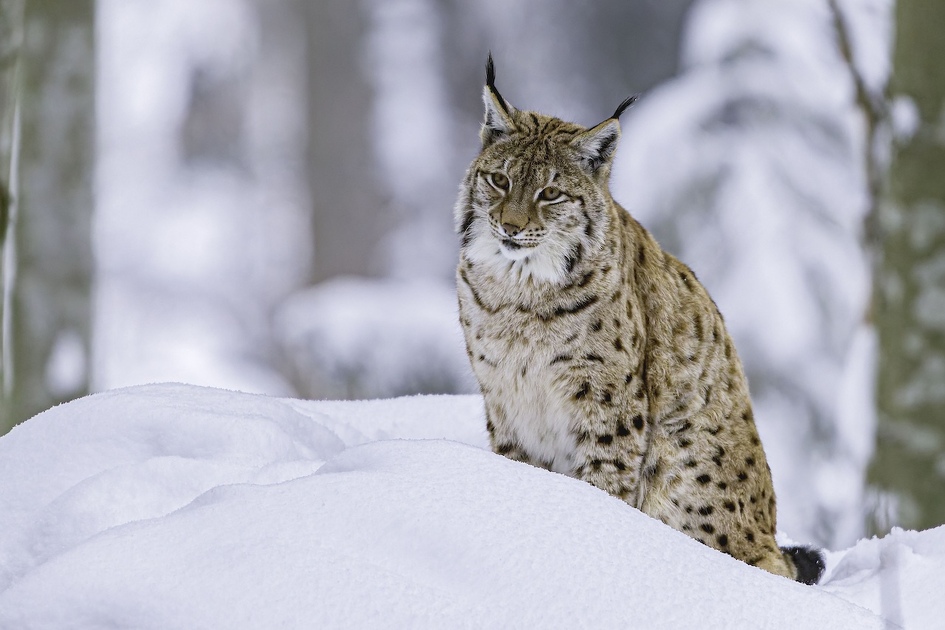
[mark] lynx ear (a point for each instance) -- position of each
(596, 146)
(499, 122)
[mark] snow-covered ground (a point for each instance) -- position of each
(175, 506)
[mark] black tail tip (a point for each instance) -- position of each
(808, 561)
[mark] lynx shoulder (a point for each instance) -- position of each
(599, 355)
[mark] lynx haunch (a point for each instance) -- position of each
(599, 355)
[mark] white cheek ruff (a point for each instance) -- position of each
(544, 262)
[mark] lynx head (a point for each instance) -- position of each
(537, 191)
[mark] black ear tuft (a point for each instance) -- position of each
(627, 102)
(490, 71)
(490, 83)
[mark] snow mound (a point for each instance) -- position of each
(176, 506)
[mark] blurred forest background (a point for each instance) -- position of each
(257, 195)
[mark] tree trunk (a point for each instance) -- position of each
(908, 469)
(11, 37)
(51, 314)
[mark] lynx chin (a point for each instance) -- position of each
(599, 355)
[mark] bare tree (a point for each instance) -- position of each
(50, 315)
(11, 36)
(908, 468)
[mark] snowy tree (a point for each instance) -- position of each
(202, 218)
(908, 470)
(48, 324)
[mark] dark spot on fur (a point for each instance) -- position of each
(596, 326)
(742, 475)
(722, 540)
(605, 439)
(622, 430)
(596, 464)
(628, 378)
(489, 426)
(641, 256)
(637, 422)
(691, 463)
(722, 485)
(606, 397)
(583, 437)
(583, 392)
(618, 344)
(684, 443)
(464, 229)
(561, 358)
(750, 536)
(750, 461)
(577, 307)
(703, 479)
(504, 449)
(708, 528)
(594, 357)
(574, 256)
(706, 510)
(729, 505)
(688, 509)
(714, 430)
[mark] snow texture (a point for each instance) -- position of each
(170, 506)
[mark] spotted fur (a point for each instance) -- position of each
(599, 355)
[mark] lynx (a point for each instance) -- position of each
(599, 355)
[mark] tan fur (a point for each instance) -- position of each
(599, 355)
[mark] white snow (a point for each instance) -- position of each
(176, 506)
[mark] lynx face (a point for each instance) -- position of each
(535, 199)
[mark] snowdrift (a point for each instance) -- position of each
(173, 506)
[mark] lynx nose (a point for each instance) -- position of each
(510, 229)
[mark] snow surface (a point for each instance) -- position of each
(172, 506)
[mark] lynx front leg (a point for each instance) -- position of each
(610, 452)
(504, 441)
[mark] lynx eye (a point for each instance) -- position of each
(549, 193)
(498, 180)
